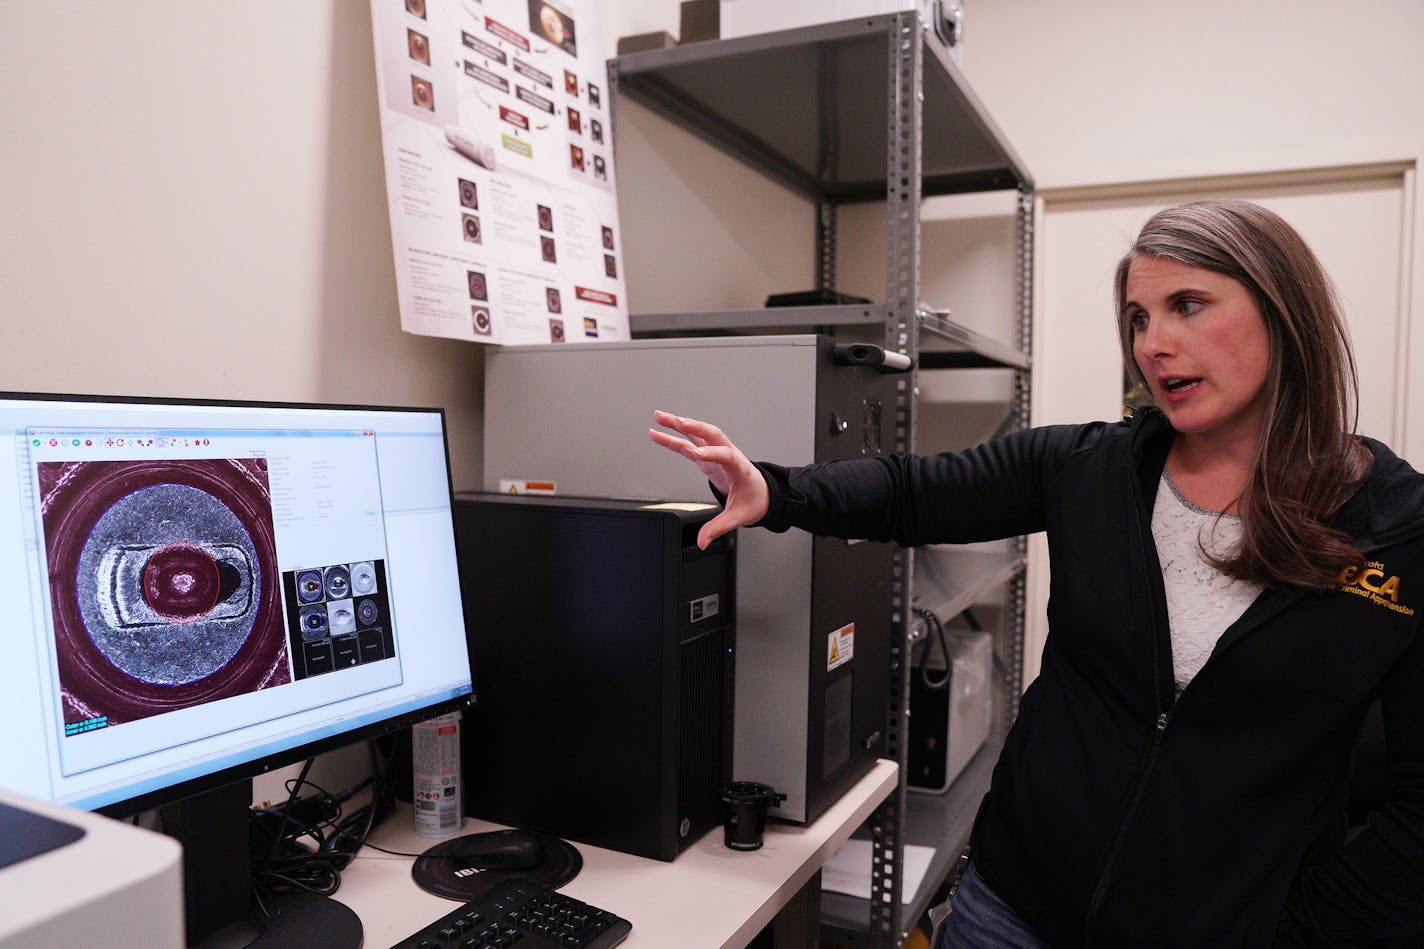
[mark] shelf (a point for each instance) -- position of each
(953, 346)
(965, 348)
(808, 108)
(948, 580)
(652, 324)
(941, 821)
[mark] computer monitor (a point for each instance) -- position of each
(197, 592)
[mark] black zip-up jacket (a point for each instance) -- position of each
(1119, 814)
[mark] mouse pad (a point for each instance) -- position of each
(437, 874)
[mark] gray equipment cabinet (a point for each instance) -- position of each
(805, 108)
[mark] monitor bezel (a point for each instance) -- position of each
(271, 761)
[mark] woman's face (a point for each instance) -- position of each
(1203, 347)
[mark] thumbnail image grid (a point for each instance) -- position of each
(338, 617)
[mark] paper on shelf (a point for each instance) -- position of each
(848, 870)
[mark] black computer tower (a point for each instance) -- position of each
(603, 646)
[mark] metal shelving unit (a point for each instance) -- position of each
(932, 820)
(871, 110)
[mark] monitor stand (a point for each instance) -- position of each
(303, 921)
(217, 883)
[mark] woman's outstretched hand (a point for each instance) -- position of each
(724, 465)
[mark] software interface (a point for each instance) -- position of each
(190, 588)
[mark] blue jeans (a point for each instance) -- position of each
(978, 919)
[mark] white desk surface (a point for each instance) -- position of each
(708, 897)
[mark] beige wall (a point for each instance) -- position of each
(1088, 90)
(192, 204)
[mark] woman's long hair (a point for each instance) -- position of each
(1308, 461)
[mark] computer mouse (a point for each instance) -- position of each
(497, 850)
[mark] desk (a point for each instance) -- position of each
(708, 897)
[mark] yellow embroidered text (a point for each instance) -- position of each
(1372, 583)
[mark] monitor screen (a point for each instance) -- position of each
(197, 592)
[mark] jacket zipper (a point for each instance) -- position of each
(1159, 729)
(1160, 724)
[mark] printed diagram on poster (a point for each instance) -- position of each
(499, 170)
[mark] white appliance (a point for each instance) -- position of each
(113, 883)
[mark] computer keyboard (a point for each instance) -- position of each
(521, 915)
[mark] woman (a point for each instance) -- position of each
(1236, 578)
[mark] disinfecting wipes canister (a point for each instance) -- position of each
(435, 756)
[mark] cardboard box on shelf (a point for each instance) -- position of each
(701, 20)
(642, 42)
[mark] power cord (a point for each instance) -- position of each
(934, 633)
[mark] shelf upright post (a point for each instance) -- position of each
(903, 172)
(1018, 587)
(827, 167)
(826, 244)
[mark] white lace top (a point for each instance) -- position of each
(1201, 601)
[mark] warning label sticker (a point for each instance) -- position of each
(515, 486)
(840, 647)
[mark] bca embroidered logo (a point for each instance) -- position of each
(1372, 583)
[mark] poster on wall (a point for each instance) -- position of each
(499, 170)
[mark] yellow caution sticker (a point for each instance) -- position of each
(840, 647)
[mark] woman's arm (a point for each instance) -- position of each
(995, 490)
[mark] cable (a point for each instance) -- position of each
(393, 853)
(934, 632)
(310, 839)
(286, 808)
